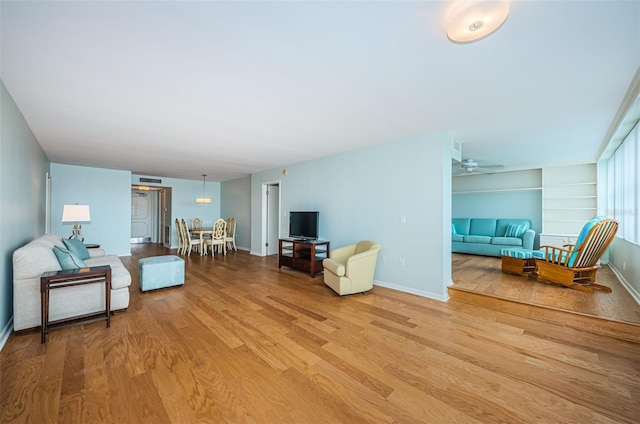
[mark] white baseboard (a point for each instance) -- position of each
(632, 291)
(6, 332)
(404, 289)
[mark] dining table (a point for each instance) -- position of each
(201, 232)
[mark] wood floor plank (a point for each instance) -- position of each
(245, 342)
(483, 274)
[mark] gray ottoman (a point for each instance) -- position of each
(158, 272)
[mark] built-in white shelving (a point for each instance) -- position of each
(569, 200)
(507, 190)
(500, 182)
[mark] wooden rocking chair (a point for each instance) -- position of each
(575, 266)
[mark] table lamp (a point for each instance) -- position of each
(76, 214)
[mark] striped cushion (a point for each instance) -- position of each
(583, 235)
(517, 253)
(514, 230)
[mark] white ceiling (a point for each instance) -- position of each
(178, 89)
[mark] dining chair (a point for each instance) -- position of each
(181, 244)
(190, 241)
(230, 237)
(218, 236)
(196, 224)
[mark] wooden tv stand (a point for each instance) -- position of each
(304, 255)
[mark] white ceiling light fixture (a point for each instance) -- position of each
(475, 19)
(204, 198)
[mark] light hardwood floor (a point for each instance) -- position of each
(482, 274)
(244, 342)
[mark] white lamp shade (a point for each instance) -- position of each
(475, 19)
(76, 213)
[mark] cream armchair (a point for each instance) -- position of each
(349, 269)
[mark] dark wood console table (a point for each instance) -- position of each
(304, 255)
(69, 278)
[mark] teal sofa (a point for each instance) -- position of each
(487, 236)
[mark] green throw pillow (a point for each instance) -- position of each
(67, 259)
(77, 247)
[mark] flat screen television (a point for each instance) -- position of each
(304, 225)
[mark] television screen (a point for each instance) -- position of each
(304, 225)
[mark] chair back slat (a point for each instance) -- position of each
(599, 238)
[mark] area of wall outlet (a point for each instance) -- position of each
(384, 259)
(624, 265)
(401, 261)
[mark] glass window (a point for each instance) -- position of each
(624, 183)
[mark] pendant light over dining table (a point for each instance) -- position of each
(204, 198)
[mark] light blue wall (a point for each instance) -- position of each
(364, 194)
(183, 200)
(23, 168)
(108, 194)
(516, 204)
(235, 201)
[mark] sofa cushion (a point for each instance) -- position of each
(477, 239)
(515, 230)
(77, 247)
(507, 241)
(67, 259)
(461, 225)
(120, 276)
(457, 237)
(483, 227)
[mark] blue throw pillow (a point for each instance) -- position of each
(67, 259)
(515, 230)
(453, 229)
(77, 247)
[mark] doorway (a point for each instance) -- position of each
(270, 218)
(151, 215)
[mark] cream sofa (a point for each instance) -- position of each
(349, 269)
(37, 257)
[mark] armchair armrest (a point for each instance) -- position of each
(557, 255)
(527, 239)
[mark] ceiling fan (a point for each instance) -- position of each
(467, 166)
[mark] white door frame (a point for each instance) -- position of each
(265, 214)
